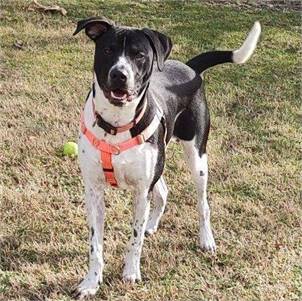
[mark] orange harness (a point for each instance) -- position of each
(107, 149)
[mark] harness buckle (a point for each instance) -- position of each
(116, 149)
(141, 139)
(113, 131)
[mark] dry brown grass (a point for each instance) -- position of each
(253, 151)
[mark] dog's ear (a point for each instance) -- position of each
(94, 27)
(161, 45)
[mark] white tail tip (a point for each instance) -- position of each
(242, 54)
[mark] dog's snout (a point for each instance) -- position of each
(118, 75)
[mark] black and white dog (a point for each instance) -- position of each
(139, 100)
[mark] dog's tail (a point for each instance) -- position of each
(209, 59)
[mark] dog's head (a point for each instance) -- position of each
(124, 57)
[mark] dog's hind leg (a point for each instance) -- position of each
(198, 164)
(159, 199)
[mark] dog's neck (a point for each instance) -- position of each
(116, 116)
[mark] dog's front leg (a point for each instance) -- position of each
(95, 207)
(131, 271)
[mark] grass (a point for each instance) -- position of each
(253, 150)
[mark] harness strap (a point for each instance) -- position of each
(108, 149)
(106, 161)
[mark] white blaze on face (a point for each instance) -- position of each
(124, 66)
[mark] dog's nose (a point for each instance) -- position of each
(118, 75)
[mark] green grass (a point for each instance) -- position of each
(254, 151)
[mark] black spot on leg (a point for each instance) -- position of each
(92, 231)
(95, 273)
(91, 249)
(83, 151)
(99, 282)
(135, 233)
(201, 173)
(93, 90)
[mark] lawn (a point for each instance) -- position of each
(254, 154)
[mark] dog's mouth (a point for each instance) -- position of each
(118, 96)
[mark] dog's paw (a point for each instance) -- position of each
(87, 288)
(207, 242)
(131, 278)
(131, 275)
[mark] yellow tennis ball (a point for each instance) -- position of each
(70, 149)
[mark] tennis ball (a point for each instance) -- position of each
(70, 149)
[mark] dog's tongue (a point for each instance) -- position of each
(119, 94)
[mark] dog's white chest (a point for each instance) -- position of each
(132, 168)
(135, 167)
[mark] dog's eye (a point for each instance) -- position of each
(139, 56)
(108, 51)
